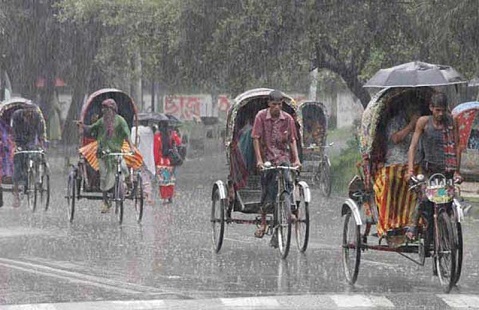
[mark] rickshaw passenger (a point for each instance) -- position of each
(440, 139)
(110, 131)
(28, 133)
(5, 156)
(395, 202)
(274, 139)
(245, 143)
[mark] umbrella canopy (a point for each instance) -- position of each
(174, 121)
(153, 116)
(415, 74)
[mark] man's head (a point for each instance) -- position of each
(109, 104)
(438, 106)
(275, 102)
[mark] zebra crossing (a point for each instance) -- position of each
(323, 301)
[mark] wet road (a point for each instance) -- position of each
(169, 259)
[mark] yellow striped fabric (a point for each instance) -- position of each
(89, 152)
(395, 202)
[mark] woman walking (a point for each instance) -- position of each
(164, 140)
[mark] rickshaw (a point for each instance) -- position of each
(84, 178)
(361, 213)
(241, 193)
(37, 189)
(467, 115)
(316, 165)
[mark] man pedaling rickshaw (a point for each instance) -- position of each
(274, 140)
(110, 131)
(28, 134)
(439, 135)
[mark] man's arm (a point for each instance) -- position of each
(420, 125)
(398, 136)
(257, 152)
(294, 149)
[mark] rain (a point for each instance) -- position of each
(204, 70)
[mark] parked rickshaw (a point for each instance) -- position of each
(439, 238)
(84, 178)
(316, 165)
(241, 193)
(37, 189)
(467, 115)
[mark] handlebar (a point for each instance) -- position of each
(29, 152)
(117, 153)
(279, 168)
(314, 146)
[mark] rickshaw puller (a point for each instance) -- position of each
(439, 135)
(110, 131)
(28, 133)
(274, 139)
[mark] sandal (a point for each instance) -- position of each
(259, 233)
(410, 233)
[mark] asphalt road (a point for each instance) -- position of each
(168, 261)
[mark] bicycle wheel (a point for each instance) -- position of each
(283, 224)
(351, 248)
(44, 188)
(445, 252)
(139, 197)
(301, 225)
(71, 192)
(217, 219)
(118, 197)
(31, 190)
(325, 177)
(459, 251)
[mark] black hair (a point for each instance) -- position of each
(439, 100)
(276, 95)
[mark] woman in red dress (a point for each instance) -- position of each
(165, 172)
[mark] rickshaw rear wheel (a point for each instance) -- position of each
(118, 197)
(301, 225)
(45, 190)
(351, 248)
(71, 189)
(139, 198)
(325, 177)
(31, 190)
(217, 219)
(283, 224)
(446, 252)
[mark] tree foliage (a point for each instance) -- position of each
(228, 46)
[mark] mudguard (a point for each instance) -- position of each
(307, 193)
(457, 206)
(351, 206)
(221, 188)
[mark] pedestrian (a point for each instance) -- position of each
(165, 139)
(274, 140)
(110, 131)
(144, 133)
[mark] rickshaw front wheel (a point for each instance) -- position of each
(446, 252)
(118, 197)
(31, 190)
(283, 224)
(139, 198)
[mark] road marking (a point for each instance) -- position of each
(76, 277)
(460, 301)
(327, 301)
(249, 302)
(359, 301)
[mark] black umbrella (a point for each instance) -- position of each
(416, 74)
(152, 116)
(174, 121)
